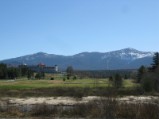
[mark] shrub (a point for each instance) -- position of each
(64, 79)
(52, 78)
(74, 77)
(111, 79)
(68, 77)
(147, 84)
(43, 110)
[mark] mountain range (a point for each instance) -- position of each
(127, 58)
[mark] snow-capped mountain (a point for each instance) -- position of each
(128, 54)
(127, 58)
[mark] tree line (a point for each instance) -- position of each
(148, 77)
(106, 73)
(15, 72)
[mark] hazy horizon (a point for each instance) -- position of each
(75, 53)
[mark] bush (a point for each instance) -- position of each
(74, 77)
(111, 79)
(64, 79)
(150, 82)
(40, 75)
(68, 77)
(147, 84)
(43, 110)
(52, 78)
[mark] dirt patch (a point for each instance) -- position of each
(73, 101)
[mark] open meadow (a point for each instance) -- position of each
(46, 83)
(22, 87)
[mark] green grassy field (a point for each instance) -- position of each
(23, 87)
(45, 83)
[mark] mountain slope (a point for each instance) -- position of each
(128, 58)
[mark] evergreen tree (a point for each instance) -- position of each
(13, 73)
(140, 74)
(23, 70)
(3, 71)
(155, 63)
(30, 74)
(118, 81)
(69, 71)
(149, 80)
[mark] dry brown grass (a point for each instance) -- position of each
(103, 108)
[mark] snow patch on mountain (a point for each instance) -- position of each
(127, 54)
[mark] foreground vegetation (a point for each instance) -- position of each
(108, 108)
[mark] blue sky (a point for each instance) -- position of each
(72, 26)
